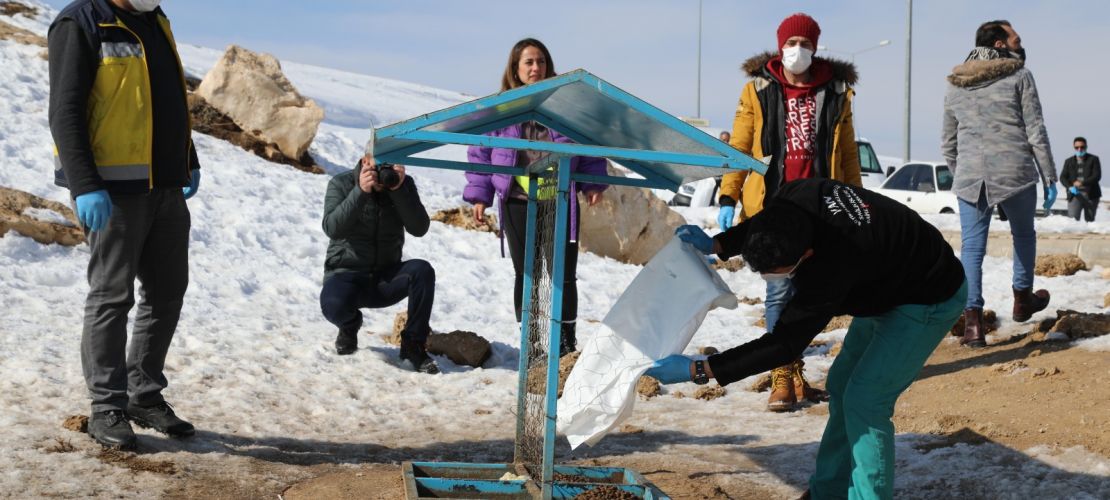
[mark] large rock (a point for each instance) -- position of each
(251, 89)
(462, 348)
(629, 224)
(42, 220)
(211, 121)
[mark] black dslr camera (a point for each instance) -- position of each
(387, 176)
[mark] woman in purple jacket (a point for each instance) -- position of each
(530, 62)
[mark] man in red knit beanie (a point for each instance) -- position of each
(797, 110)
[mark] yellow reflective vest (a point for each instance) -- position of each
(120, 115)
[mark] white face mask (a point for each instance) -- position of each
(144, 5)
(796, 59)
(772, 277)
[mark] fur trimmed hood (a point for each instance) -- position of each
(977, 72)
(841, 70)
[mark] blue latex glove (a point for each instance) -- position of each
(94, 209)
(194, 185)
(672, 369)
(695, 236)
(725, 217)
(1074, 191)
(1049, 196)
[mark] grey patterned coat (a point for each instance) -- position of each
(994, 134)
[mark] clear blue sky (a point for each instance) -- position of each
(649, 48)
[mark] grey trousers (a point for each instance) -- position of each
(1081, 205)
(147, 237)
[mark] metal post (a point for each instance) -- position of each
(525, 310)
(909, 66)
(699, 58)
(562, 213)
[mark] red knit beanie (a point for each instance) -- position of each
(798, 25)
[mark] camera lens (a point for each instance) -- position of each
(387, 176)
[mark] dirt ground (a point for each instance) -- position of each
(1018, 392)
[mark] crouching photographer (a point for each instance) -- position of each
(367, 212)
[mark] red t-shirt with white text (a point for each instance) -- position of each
(800, 102)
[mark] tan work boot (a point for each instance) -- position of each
(782, 389)
(802, 389)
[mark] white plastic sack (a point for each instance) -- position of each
(655, 317)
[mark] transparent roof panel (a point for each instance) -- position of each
(589, 111)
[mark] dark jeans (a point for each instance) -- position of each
(516, 225)
(345, 293)
(147, 238)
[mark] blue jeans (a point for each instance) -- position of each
(881, 357)
(778, 294)
(975, 221)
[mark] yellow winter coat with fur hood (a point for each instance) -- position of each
(759, 130)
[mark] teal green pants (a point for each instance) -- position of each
(881, 357)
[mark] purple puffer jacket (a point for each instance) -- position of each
(481, 187)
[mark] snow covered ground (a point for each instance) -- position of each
(253, 365)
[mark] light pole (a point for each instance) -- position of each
(909, 65)
(699, 59)
(852, 57)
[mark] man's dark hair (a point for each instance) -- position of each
(990, 32)
(1080, 139)
(777, 236)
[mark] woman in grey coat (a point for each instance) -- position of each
(995, 143)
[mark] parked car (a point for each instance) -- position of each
(924, 187)
(703, 193)
(870, 171)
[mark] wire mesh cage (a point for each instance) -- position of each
(529, 450)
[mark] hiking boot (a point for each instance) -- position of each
(110, 429)
(161, 418)
(347, 341)
(802, 389)
(1027, 302)
(782, 389)
(974, 333)
(416, 354)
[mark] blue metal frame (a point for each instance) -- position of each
(657, 181)
(517, 105)
(491, 169)
(663, 149)
(576, 149)
(562, 213)
(447, 479)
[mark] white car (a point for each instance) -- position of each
(703, 193)
(924, 187)
(871, 173)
